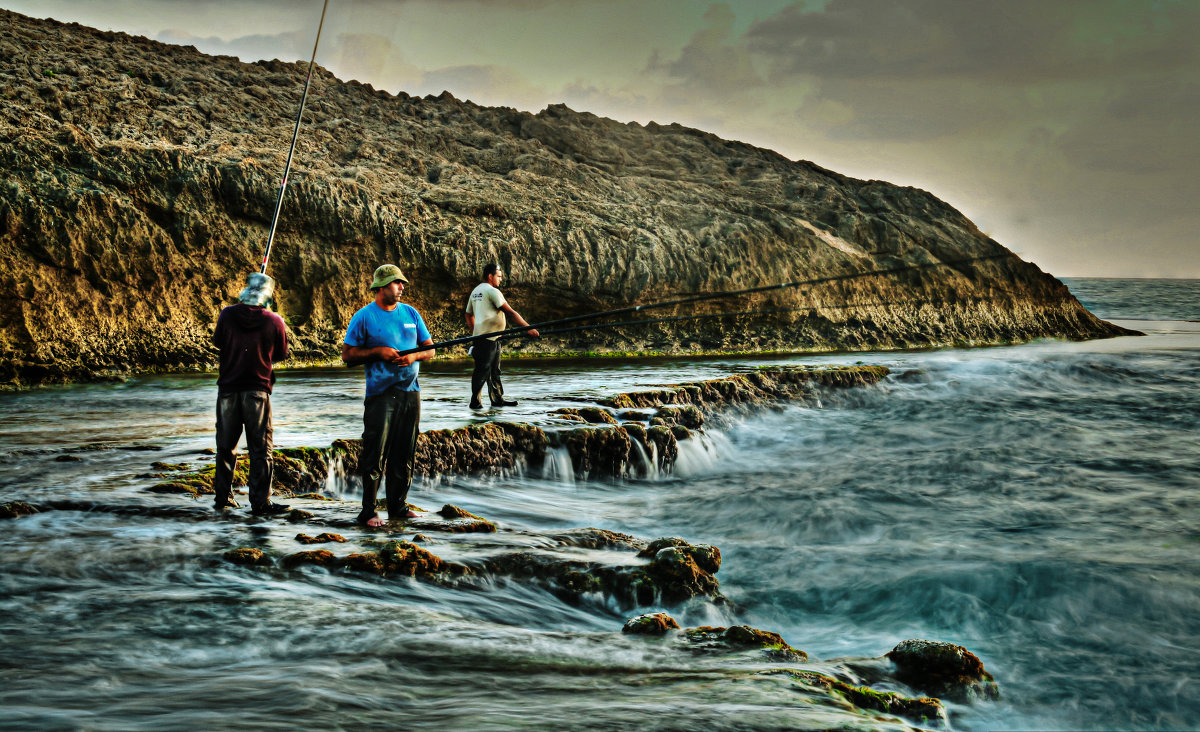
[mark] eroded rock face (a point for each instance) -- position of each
(141, 178)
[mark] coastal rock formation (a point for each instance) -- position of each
(139, 180)
(853, 689)
(494, 448)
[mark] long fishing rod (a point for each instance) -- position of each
(696, 298)
(747, 313)
(291, 150)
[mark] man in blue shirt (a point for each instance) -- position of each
(392, 411)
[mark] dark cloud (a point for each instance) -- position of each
(711, 64)
(1009, 41)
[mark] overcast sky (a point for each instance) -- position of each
(1066, 129)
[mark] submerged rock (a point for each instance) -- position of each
(248, 556)
(671, 577)
(592, 538)
(924, 710)
(743, 637)
(14, 509)
(408, 559)
(319, 557)
(463, 521)
(174, 467)
(320, 538)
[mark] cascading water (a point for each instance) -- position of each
(557, 467)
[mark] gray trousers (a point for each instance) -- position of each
(249, 410)
(487, 371)
(391, 422)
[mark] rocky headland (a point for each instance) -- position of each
(139, 180)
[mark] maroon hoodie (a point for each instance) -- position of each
(250, 339)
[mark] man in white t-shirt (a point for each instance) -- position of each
(486, 309)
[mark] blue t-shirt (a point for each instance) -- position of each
(402, 329)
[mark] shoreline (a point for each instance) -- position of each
(568, 357)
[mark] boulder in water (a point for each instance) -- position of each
(942, 669)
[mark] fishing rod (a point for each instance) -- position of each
(749, 313)
(291, 150)
(696, 298)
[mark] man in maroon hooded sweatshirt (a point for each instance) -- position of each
(251, 339)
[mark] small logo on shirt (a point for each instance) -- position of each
(410, 325)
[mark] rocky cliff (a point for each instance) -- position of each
(139, 181)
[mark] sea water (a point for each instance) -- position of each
(1037, 504)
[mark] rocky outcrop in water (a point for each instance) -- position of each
(614, 448)
(139, 180)
(853, 681)
(942, 669)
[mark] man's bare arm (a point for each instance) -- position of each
(518, 319)
(419, 355)
(356, 355)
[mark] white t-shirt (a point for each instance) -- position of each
(484, 304)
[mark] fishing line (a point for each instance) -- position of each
(699, 298)
(291, 150)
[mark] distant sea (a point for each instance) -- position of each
(1038, 504)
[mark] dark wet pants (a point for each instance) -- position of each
(250, 410)
(487, 371)
(391, 422)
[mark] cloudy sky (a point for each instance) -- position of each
(1066, 129)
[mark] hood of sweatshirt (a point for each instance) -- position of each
(249, 317)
